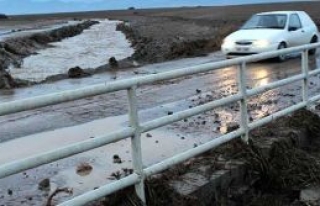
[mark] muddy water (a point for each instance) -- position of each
(90, 49)
(159, 144)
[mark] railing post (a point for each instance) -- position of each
(243, 101)
(136, 143)
(305, 71)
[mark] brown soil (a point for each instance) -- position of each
(157, 39)
(159, 35)
(273, 178)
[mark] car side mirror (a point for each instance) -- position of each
(293, 28)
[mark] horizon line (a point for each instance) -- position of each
(154, 8)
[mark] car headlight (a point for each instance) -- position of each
(227, 43)
(261, 43)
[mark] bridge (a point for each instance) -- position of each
(136, 127)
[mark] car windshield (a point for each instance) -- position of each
(271, 21)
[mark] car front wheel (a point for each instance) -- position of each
(282, 57)
(313, 40)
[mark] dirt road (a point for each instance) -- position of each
(218, 83)
(170, 96)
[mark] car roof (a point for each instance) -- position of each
(280, 12)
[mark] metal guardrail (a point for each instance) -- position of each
(135, 130)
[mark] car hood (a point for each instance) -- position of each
(255, 34)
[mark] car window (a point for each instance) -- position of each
(295, 21)
(274, 21)
(282, 20)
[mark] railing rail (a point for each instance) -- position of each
(136, 128)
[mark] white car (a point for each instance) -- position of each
(271, 31)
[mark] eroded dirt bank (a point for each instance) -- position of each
(282, 170)
(13, 50)
(158, 39)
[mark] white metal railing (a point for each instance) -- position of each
(136, 128)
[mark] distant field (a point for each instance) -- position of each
(239, 12)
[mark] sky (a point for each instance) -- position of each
(51, 6)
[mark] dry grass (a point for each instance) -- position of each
(288, 166)
(158, 193)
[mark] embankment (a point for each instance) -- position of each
(158, 39)
(279, 166)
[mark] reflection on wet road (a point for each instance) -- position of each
(260, 74)
(154, 101)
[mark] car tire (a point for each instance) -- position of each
(282, 57)
(313, 40)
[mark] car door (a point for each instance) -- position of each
(296, 33)
(309, 27)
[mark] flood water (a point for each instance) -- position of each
(90, 49)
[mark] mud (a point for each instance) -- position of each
(13, 50)
(275, 176)
(157, 39)
(290, 166)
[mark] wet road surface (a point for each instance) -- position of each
(154, 101)
(220, 83)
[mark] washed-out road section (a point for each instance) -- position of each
(55, 126)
